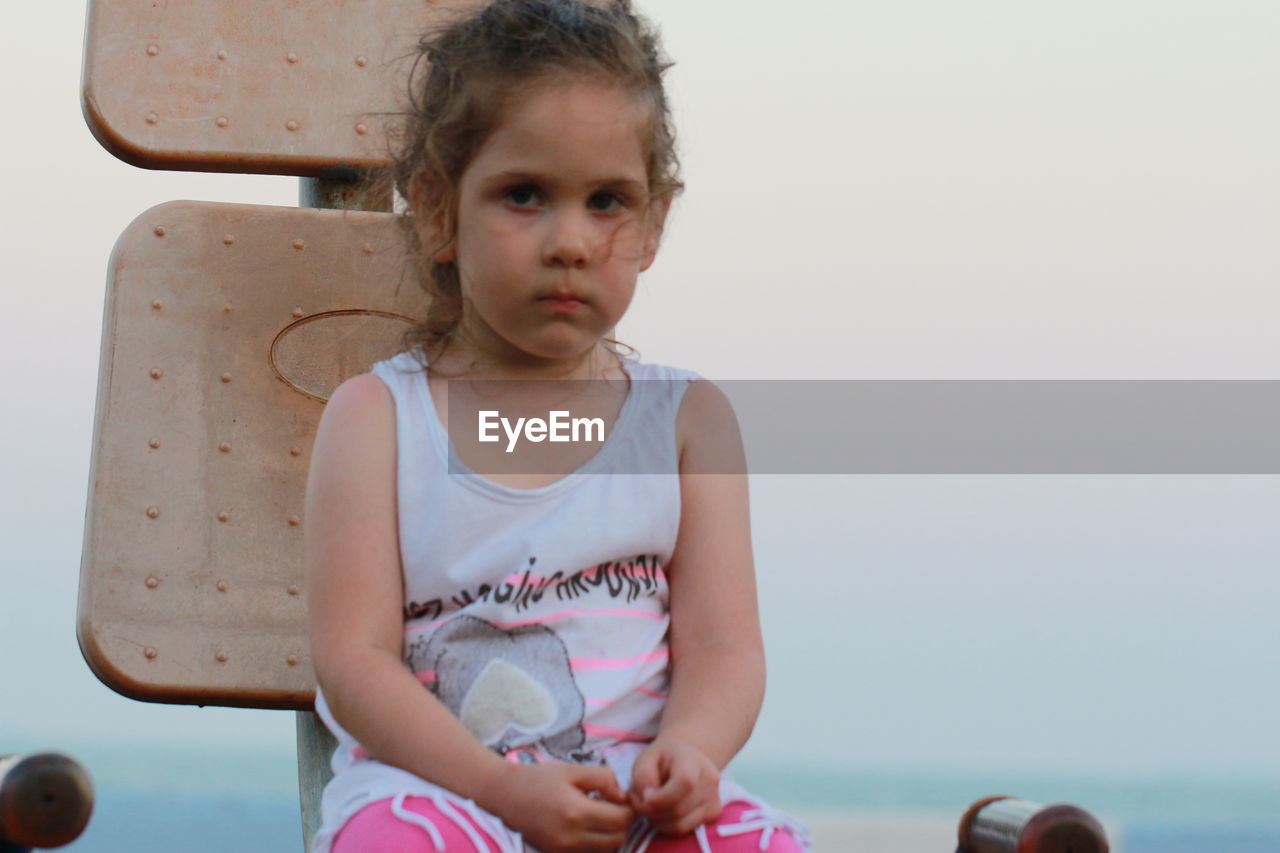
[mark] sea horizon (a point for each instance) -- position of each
(153, 797)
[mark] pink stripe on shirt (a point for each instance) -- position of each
(616, 734)
(617, 663)
(550, 617)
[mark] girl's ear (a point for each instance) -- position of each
(445, 255)
(653, 231)
(429, 223)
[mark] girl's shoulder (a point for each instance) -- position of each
(402, 374)
(360, 404)
(708, 437)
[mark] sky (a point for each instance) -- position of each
(915, 190)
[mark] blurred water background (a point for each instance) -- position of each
(205, 801)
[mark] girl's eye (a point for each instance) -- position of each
(605, 202)
(522, 196)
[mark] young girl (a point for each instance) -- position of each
(563, 660)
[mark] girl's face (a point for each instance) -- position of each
(554, 222)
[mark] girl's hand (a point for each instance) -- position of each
(676, 786)
(561, 808)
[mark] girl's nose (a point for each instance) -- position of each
(568, 241)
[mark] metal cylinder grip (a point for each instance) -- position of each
(1010, 825)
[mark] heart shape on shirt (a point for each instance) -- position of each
(504, 696)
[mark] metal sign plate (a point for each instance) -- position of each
(263, 86)
(226, 327)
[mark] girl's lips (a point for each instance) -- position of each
(562, 304)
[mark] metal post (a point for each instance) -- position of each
(340, 188)
(315, 747)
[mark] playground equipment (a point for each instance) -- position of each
(1009, 825)
(45, 801)
(226, 326)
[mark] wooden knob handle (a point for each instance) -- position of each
(45, 799)
(1009, 825)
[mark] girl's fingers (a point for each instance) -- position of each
(603, 816)
(595, 777)
(677, 787)
(688, 814)
(645, 774)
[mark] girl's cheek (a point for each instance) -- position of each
(623, 234)
(506, 227)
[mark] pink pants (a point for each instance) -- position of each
(419, 825)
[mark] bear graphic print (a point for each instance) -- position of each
(513, 689)
(557, 667)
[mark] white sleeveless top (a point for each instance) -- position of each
(538, 616)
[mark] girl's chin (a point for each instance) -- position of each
(560, 353)
(555, 341)
(558, 345)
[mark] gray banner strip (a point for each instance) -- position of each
(974, 427)
(1010, 426)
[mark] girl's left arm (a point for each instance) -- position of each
(717, 655)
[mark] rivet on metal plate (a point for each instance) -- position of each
(361, 61)
(226, 307)
(295, 451)
(222, 54)
(290, 125)
(154, 444)
(291, 57)
(368, 249)
(153, 512)
(159, 231)
(223, 517)
(152, 117)
(299, 244)
(294, 521)
(362, 129)
(153, 582)
(220, 657)
(224, 447)
(157, 304)
(291, 660)
(220, 121)
(297, 312)
(229, 239)
(293, 590)
(150, 652)
(222, 586)
(156, 373)
(153, 50)
(226, 377)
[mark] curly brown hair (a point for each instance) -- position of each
(467, 72)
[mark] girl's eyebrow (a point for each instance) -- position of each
(515, 176)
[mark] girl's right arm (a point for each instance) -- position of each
(355, 593)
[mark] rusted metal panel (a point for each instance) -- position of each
(266, 86)
(225, 328)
